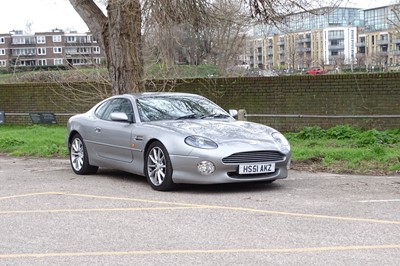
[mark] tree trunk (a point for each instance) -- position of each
(121, 40)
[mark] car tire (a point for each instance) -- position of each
(158, 167)
(78, 157)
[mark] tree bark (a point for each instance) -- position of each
(121, 40)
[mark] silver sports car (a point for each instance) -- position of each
(174, 138)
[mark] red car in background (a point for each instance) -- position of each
(315, 71)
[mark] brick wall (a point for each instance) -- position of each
(338, 95)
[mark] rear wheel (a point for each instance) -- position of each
(79, 158)
(158, 167)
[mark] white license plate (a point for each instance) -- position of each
(260, 168)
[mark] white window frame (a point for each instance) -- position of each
(41, 51)
(2, 40)
(2, 51)
(96, 50)
(42, 62)
(3, 63)
(71, 39)
(57, 38)
(58, 61)
(57, 50)
(40, 39)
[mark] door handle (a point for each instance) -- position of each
(97, 130)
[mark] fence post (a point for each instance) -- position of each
(2, 117)
(242, 115)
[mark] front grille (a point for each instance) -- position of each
(254, 157)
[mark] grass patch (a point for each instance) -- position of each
(344, 149)
(341, 149)
(36, 140)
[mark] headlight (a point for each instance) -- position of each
(201, 142)
(281, 141)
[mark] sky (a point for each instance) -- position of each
(45, 15)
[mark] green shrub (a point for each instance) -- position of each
(311, 133)
(342, 132)
(374, 136)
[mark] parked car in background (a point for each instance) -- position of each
(175, 138)
(315, 71)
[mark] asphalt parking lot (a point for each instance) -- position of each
(50, 216)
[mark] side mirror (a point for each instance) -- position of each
(119, 116)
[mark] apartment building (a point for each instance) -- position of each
(330, 38)
(53, 48)
(378, 43)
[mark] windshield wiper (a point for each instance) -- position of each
(189, 116)
(215, 116)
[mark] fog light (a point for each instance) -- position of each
(206, 167)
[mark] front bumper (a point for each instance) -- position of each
(185, 170)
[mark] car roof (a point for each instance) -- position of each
(163, 94)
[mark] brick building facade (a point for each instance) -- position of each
(55, 48)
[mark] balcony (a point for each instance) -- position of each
(382, 42)
(360, 44)
(336, 47)
(305, 50)
(23, 56)
(304, 40)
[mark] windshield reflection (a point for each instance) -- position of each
(158, 108)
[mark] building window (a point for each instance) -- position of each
(41, 51)
(2, 51)
(71, 39)
(58, 61)
(27, 51)
(57, 50)
(2, 40)
(3, 63)
(96, 50)
(57, 38)
(40, 39)
(42, 62)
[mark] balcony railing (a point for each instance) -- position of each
(336, 47)
(382, 42)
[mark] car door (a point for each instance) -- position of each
(112, 139)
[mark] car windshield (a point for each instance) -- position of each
(175, 107)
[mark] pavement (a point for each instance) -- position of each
(50, 216)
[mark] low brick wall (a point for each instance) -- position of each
(320, 95)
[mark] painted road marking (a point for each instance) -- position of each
(377, 201)
(199, 251)
(181, 206)
(184, 206)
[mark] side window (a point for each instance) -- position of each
(126, 107)
(101, 109)
(117, 105)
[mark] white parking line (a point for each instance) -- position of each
(377, 201)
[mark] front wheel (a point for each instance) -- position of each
(158, 167)
(79, 158)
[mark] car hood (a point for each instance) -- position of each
(220, 131)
